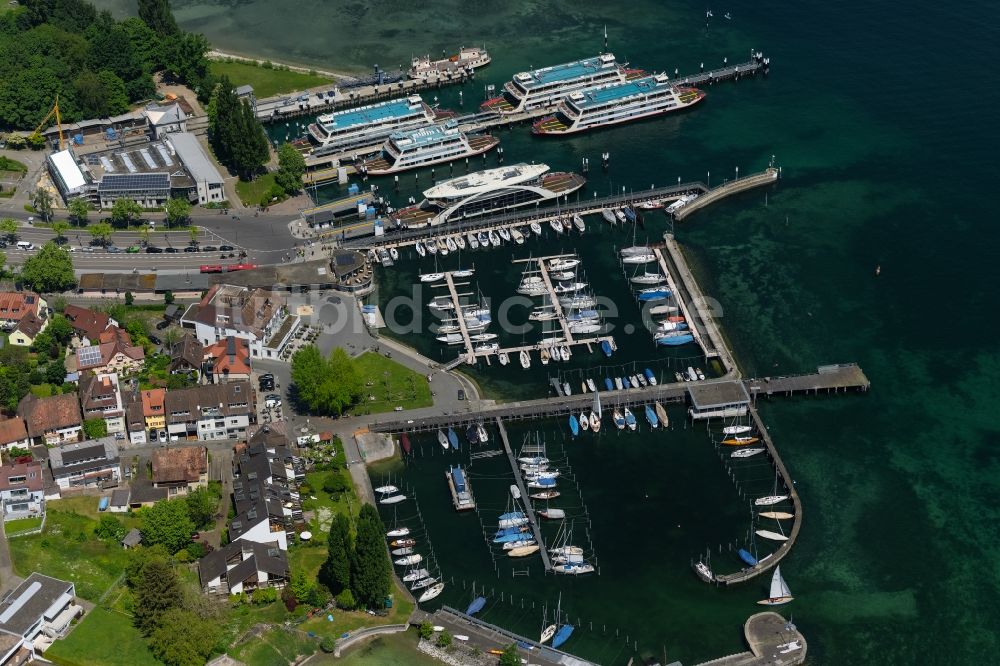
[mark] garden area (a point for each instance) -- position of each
(102, 637)
(21, 525)
(266, 81)
(391, 384)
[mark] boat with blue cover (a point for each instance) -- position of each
(562, 635)
(629, 213)
(674, 340)
(453, 438)
(574, 425)
(747, 557)
(625, 382)
(610, 385)
(606, 348)
(472, 435)
(651, 417)
(650, 377)
(650, 295)
(508, 537)
(477, 605)
(630, 419)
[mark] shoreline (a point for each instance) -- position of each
(217, 54)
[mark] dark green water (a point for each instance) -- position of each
(882, 116)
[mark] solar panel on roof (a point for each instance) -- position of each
(89, 355)
(148, 159)
(134, 182)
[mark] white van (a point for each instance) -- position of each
(25, 245)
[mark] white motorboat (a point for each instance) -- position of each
(566, 551)
(536, 228)
(595, 422)
(422, 583)
(563, 264)
(394, 253)
(746, 453)
(483, 436)
(494, 239)
(579, 223)
(569, 287)
(556, 225)
(525, 359)
(431, 592)
(392, 499)
(431, 277)
(443, 440)
(419, 247)
(473, 241)
(573, 568)
(483, 337)
(398, 532)
(736, 429)
(620, 216)
(779, 593)
(441, 304)
(543, 315)
(450, 244)
(564, 352)
(504, 234)
(542, 484)
(415, 575)
(460, 241)
(648, 278)
(387, 490)
(769, 500)
(451, 339)
(582, 328)
(464, 273)
(517, 236)
(591, 385)
(562, 275)
(487, 348)
(532, 460)
(578, 302)
(432, 247)
(504, 359)
(416, 558)
(638, 258)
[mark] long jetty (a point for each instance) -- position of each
(766, 177)
(525, 498)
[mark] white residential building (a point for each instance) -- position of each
(258, 316)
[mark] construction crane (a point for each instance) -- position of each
(54, 110)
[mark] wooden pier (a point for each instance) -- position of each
(460, 318)
(553, 296)
(766, 177)
(529, 509)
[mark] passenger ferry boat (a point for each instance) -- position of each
(467, 59)
(411, 149)
(344, 129)
(618, 103)
(545, 88)
(489, 191)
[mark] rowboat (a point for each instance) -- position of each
(773, 536)
(746, 453)
(523, 551)
(776, 515)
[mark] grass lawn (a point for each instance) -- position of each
(324, 507)
(386, 650)
(346, 621)
(13, 527)
(265, 82)
(7, 164)
(250, 193)
(391, 384)
(102, 638)
(68, 549)
(275, 647)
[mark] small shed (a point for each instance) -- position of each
(132, 539)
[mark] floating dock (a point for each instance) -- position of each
(461, 490)
(529, 509)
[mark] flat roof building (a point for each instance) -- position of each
(208, 183)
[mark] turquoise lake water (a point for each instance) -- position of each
(882, 116)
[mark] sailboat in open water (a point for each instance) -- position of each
(779, 594)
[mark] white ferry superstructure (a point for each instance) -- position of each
(489, 191)
(466, 60)
(618, 103)
(545, 88)
(374, 122)
(426, 146)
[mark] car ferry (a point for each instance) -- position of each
(489, 191)
(341, 128)
(619, 103)
(545, 88)
(412, 149)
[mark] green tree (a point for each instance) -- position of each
(49, 270)
(78, 211)
(325, 386)
(444, 639)
(60, 328)
(370, 568)
(157, 15)
(291, 167)
(9, 227)
(236, 134)
(101, 231)
(55, 374)
(110, 528)
(426, 630)
(178, 210)
(59, 228)
(100, 94)
(193, 232)
(184, 58)
(41, 200)
(129, 298)
(510, 657)
(94, 428)
(336, 484)
(336, 570)
(157, 591)
(167, 523)
(202, 505)
(3, 263)
(301, 586)
(183, 638)
(125, 211)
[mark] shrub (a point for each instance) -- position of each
(263, 596)
(426, 630)
(288, 597)
(346, 600)
(444, 640)
(328, 644)
(183, 556)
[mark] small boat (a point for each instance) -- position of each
(746, 453)
(494, 239)
(639, 258)
(460, 241)
(574, 425)
(618, 383)
(651, 417)
(567, 389)
(416, 558)
(415, 575)
(485, 337)
(545, 495)
(776, 515)
(472, 435)
(504, 234)
(662, 309)
(432, 247)
(450, 338)
(394, 253)
(563, 632)
(392, 499)
(634, 379)
(422, 583)
(431, 277)
(525, 359)
(650, 377)
(515, 492)
(655, 294)
(661, 414)
(773, 536)
(398, 532)
(473, 241)
(595, 418)
(509, 537)
(463, 273)
(441, 304)
(431, 592)
(648, 278)
(591, 385)
(477, 605)
(747, 557)
(567, 551)
(562, 275)
(547, 633)
(542, 484)
(584, 328)
(626, 384)
(387, 490)
(650, 205)
(523, 551)
(740, 441)
(543, 315)
(790, 646)
(487, 348)
(567, 223)
(534, 460)
(608, 384)
(504, 358)
(578, 222)
(484, 239)
(443, 247)
(569, 287)
(584, 421)
(630, 214)
(399, 552)
(673, 340)
(701, 375)
(608, 216)
(606, 348)
(450, 328)
(630, 419)
(618, 419)
(453, 438)
(620, 216)
(769, 500)
(736, 430)
(563, 264)
(642, 379)
(419, 247)
(704, 572)
(544, 354)
(483, 437)
(556, 225)
(573, 569)
(672, 326)
(552, 514)
(634, 249)
(450, 244)
(517, 236)
(679, 377)
(443, 440)
(511, 545)
(536, 228)
(779, 593)
(583, 316)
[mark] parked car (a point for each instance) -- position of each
(152, 249)
(132, 249)
(170, 249)
(113, 249)
(191, 248)
(160, 325)
(153, 437)
(272, 400)
(226, 248)
(209, 248)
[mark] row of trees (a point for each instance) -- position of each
(236, 135)
(357, 570)
(325, 385)
(97, 65)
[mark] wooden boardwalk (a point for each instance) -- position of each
(525, 498)
(459, 317)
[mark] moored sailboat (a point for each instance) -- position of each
(779, 592)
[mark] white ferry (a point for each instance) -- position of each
(467, 60)
(489, 191)
(545, 88)
(426, 146)
(344, 127)
(619, 103)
